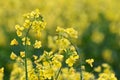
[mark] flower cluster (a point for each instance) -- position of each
(62, 62)
(33, 22)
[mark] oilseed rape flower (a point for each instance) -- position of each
(97, 69)
(33, 21)
(35, 57)
(56, 64)
(59, 29)
(88, 76)
(1, 70)
(106, 76)
(62, 43)
(67, 32)
(26, 41)
(72, 33)
(37, 44)
(19, 30)
(22, 54)
(13, 56)
(14, 42)
(71, 60)
(90, 62)
(27, 24)
(58, 57)
(106, 73)
(1, 73)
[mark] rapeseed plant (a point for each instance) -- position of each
(97, 22)
(58, 63)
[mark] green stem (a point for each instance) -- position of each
(81, 74)
(26, 71)
(58, 73)
(77, 50)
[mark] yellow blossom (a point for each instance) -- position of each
(17, 27)
(57, 64)
(19, 33)
(88, 76)
(27, 42)
(71, 60)
(14, 42)
(72, 48)
(1, 73)
(37, 13)
(1, 70)
(37, 44)
(22, 53)
(48, 73)
(35, 57)
(107, 76)
(72, 32)
(59, 29)
(45, 63)
(27, 23)
(83, 67)
(97, 69)
(105, 65)
(19, 30)
(58, 57)
(13, 56)
(90, 61)
(62, 43)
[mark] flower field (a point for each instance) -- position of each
(59, 40)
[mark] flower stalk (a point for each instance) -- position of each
(26, 49)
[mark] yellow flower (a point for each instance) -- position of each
(19, 33)
(13, 56)
(48, 73)
(37, 44)
(17, 27)
(37, 13)
(45, 63)
(59, 29)
(58, 57)
(71, 60)
(14, 42)
(62, 43)
(105, 65)
(97, 69)
(1, 70)
(88, 76)
(19, 30)
(90, 61)
(57, 64)
(1, 73)
(27, 41)
(72, 33)
(27, 23)
(22, 53)
(35, 57)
